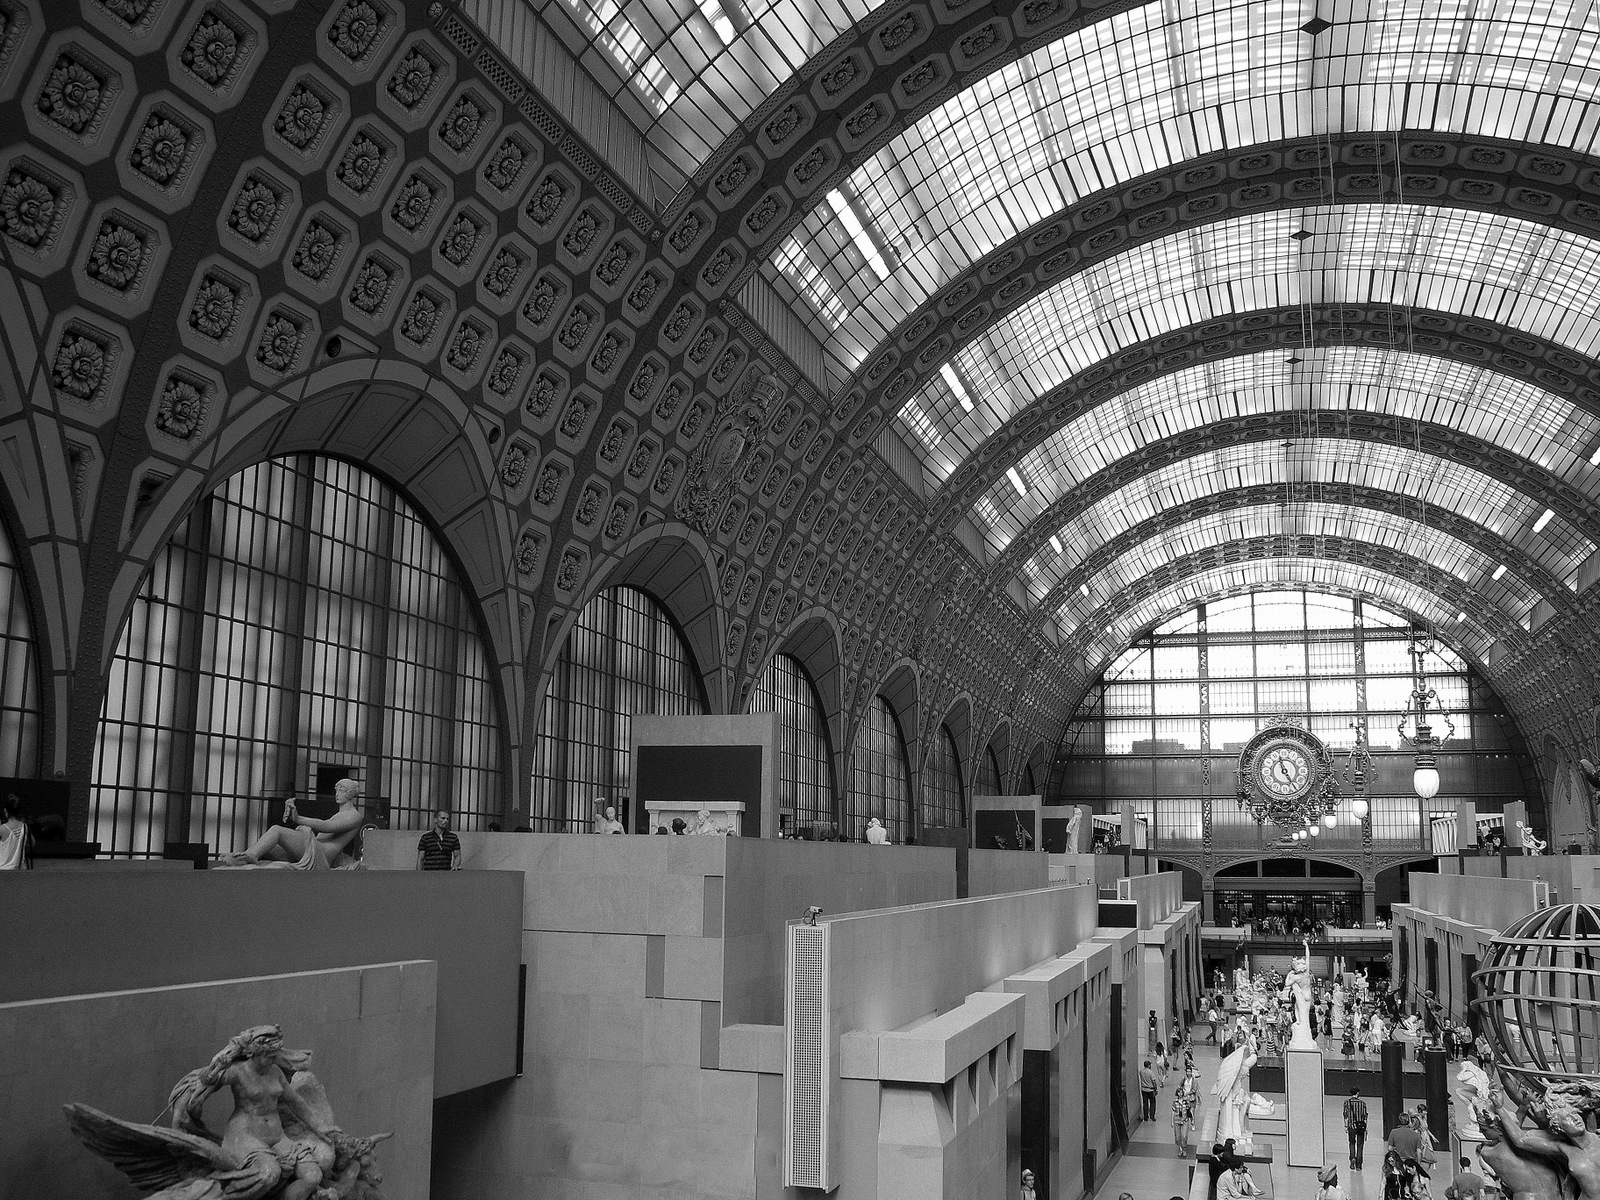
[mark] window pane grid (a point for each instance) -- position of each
(880, 779)
(252, 653)
(944, 794)
(624, 656)
(19, 673)
(805, 764)
(1133, 742)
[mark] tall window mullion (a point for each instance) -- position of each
(290, 571)
(623, 656)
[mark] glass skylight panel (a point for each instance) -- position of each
(1469, 635)
(1524, 420)
(1366, 526)
(1476, 264)
(1332, 467)
(694, 71)
(1165, 83)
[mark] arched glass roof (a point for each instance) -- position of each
(1467, 635)
(1321, 462)
(1364, 525)
(1529, 422)
(1159, 85)
(1528, 276)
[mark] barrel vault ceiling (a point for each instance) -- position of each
(955, 342)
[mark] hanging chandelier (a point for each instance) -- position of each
(1359, 771)
(1425, 778)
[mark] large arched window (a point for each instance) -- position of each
(880, 777)
(805, 756)
(302, 625)
(624, 656)
(1163, 728)
(944, 796)
(1028, 781)
(988, 774)
(19, 673)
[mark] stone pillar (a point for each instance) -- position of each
(1302, 1080)
(1369, 903)
(1208, 900)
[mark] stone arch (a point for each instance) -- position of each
(813, 641)
(677, 568)
(394, 421)
(998, 742)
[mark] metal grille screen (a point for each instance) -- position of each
(807, 1115)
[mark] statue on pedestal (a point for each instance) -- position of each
(280, 1142)
(1472, 1096)
(1297, 987)
(1233, 1086)
(1073, 822)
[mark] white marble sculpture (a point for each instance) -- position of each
(1471, 1094)
(280, 1142)
(1297, 988)
(1073, 822)
(877, 835)
(1233, 1089)
(1532, 843)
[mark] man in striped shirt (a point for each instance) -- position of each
(439, 849)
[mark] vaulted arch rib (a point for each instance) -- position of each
(1084, 564)
(1387, 453)
(1533, 361)
(1522, 273)
(1519, 427)
(1390, 576)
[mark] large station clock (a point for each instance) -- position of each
(1285, 775)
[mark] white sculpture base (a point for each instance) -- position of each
(726, 815)
(1302, 1080)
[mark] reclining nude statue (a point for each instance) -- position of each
(280, 1143)
(306, 843)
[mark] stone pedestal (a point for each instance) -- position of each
(1302, 1080)
(726, 815)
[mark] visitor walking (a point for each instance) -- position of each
(1147, 1091)
(1355, 1126)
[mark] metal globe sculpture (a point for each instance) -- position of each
(1539, 995)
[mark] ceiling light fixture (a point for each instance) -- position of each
(1055, 544)
(1544, 519)
(1084, 588)
(1462, 615)
(1425, 778)
(1498, 572)
(1594, 459)
(858, 233)
(1016, 481)
(953, 382)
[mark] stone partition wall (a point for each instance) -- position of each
(96, 931)
(653, 1060)
(995, 872)
(370, 1030)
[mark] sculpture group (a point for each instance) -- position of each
(279, 1143)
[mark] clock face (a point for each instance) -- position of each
(1284, 769)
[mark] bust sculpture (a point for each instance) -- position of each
(877, 835)
(280, 1142)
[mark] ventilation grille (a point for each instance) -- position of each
(806, 1082)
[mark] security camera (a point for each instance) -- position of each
(812, 914)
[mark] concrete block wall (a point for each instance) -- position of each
(995, 872)
(370, 1029)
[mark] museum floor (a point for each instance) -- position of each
(1152, 1170)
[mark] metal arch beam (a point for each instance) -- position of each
(1442, 335)
(1204, 534)
(856, 96)
(1093, 671)
(1351, 495)
(1440, 172)
(1433, 440)
(1379, 559)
